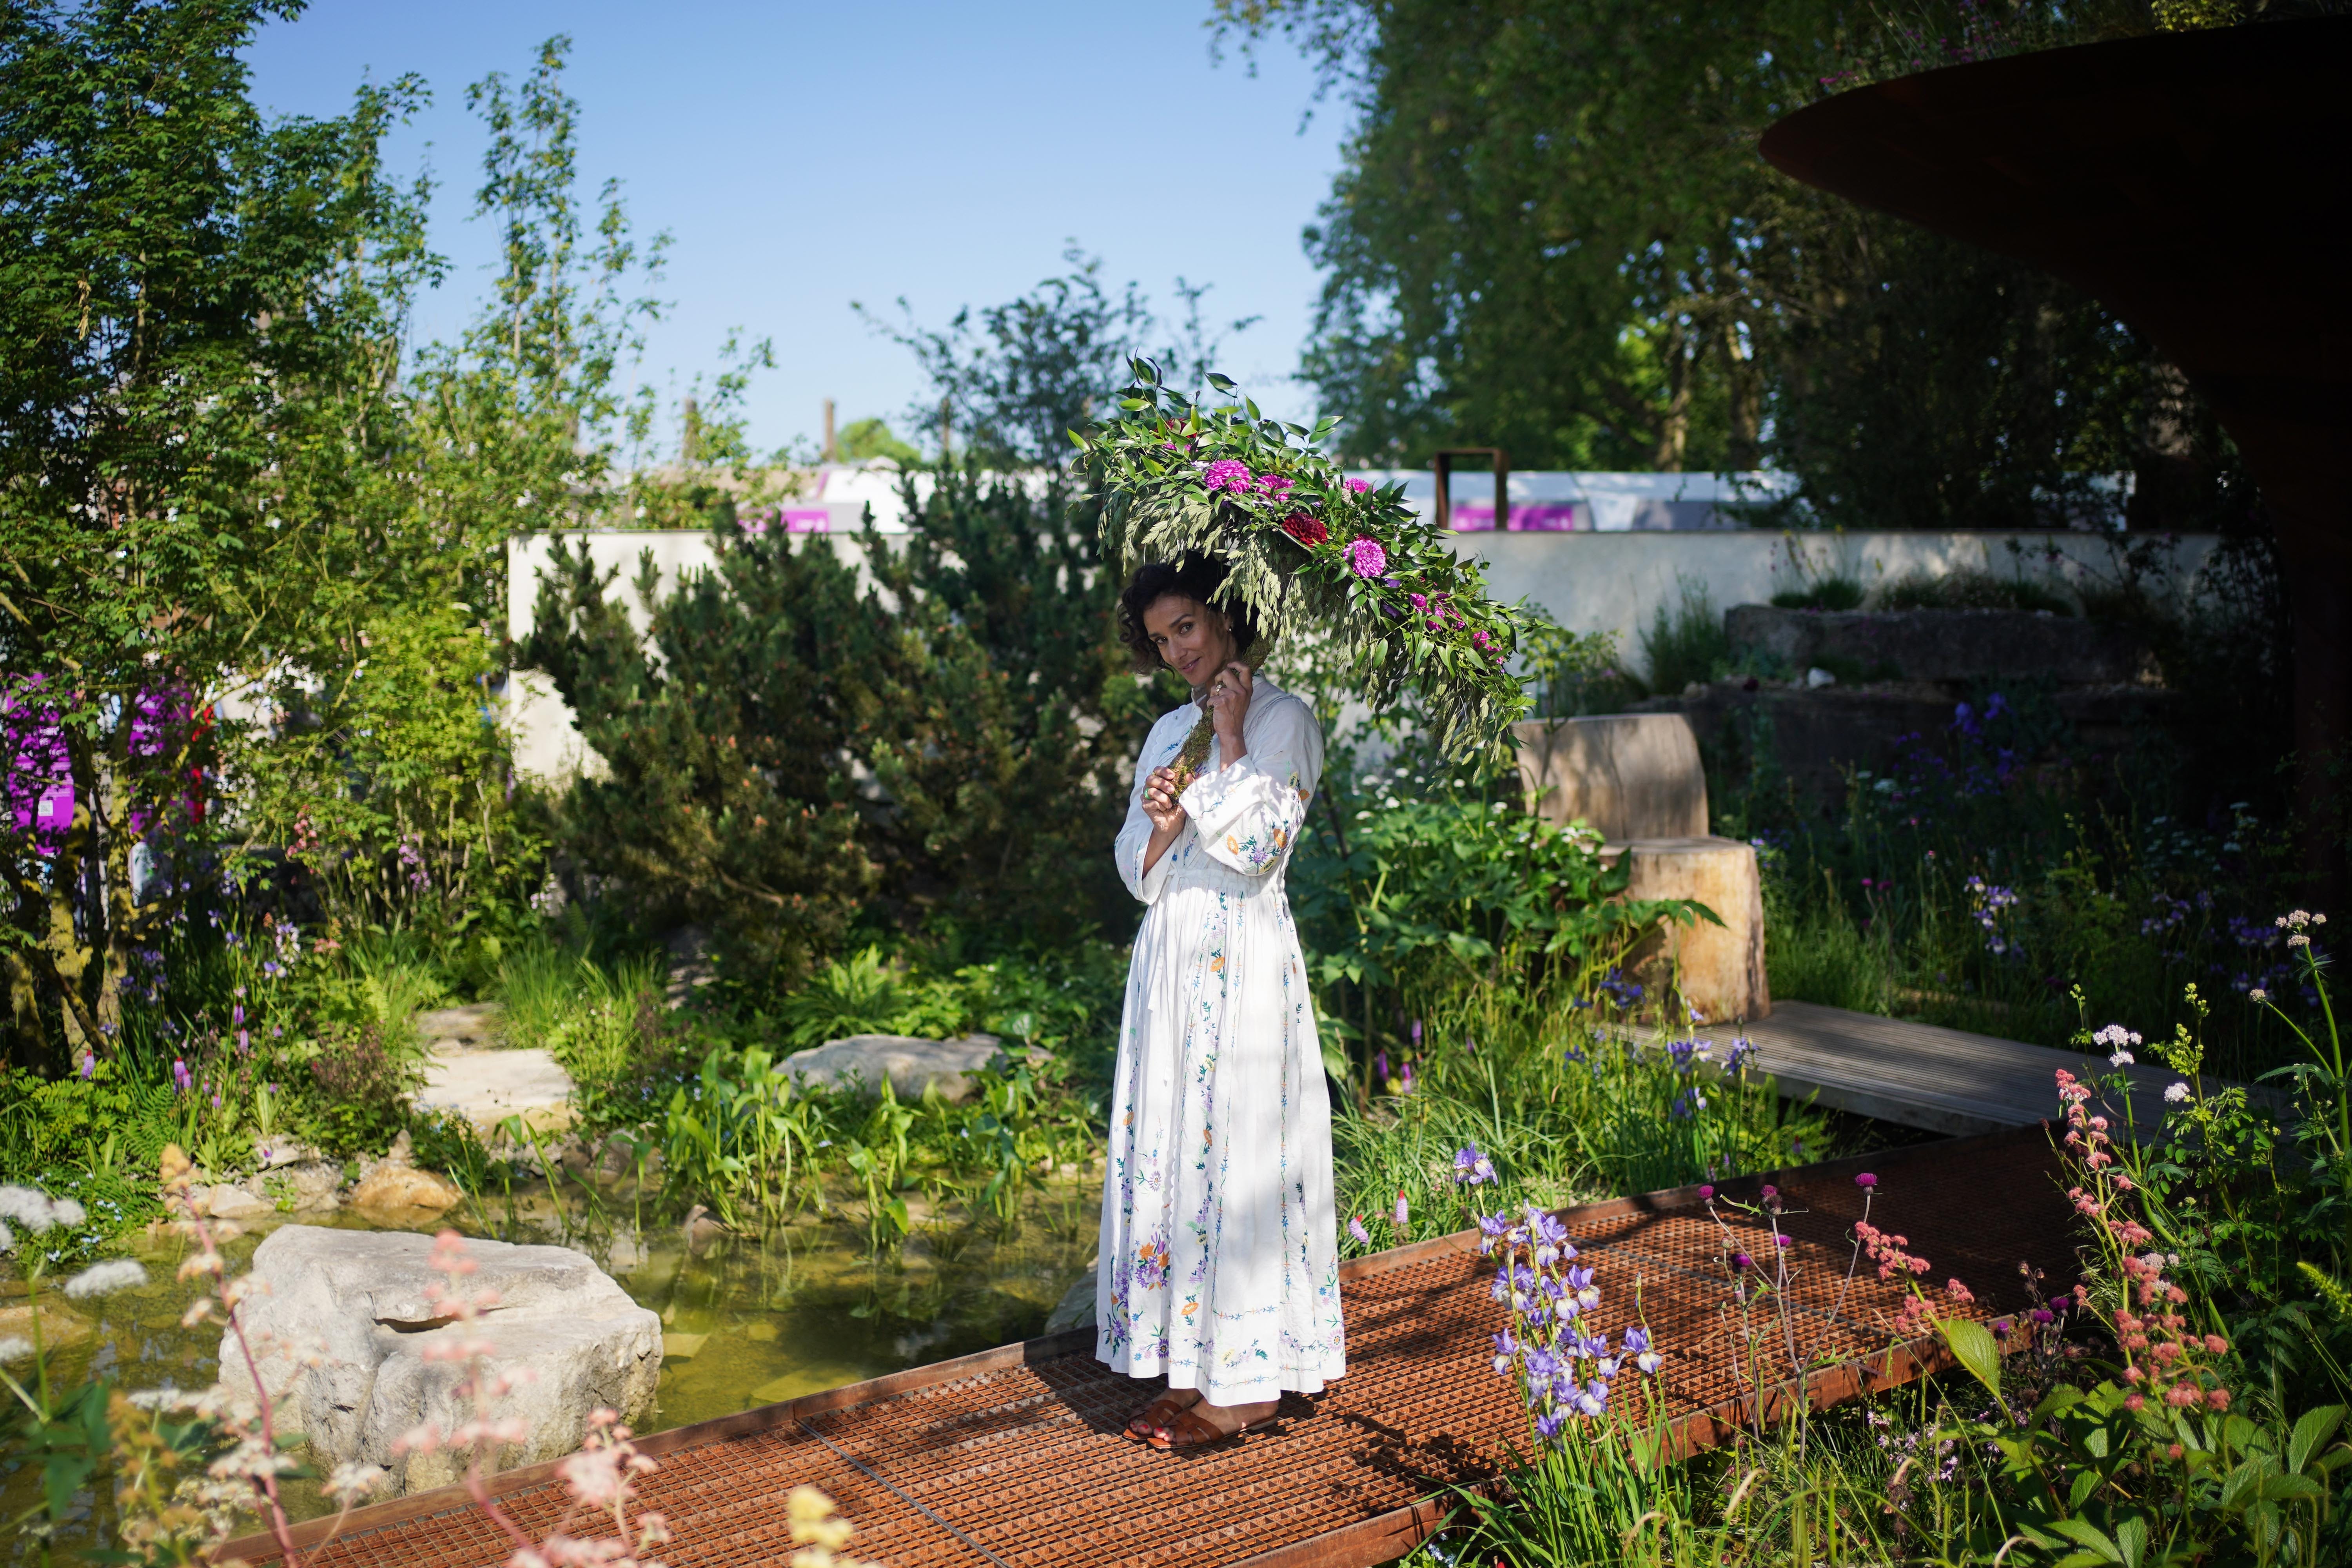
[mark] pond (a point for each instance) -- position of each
(804, 1308)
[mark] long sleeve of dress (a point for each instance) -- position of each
(1247, 814)
(1135, 837)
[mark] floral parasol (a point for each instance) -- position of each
(1308, 550)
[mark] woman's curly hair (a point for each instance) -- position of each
(1195, 577)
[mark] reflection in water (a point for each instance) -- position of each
(749, 1320)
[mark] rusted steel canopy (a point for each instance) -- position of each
(2199, 185)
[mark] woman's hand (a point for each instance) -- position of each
(1160, 804)
(1228, 700)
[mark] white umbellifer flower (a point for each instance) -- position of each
(104, 1278)
(66, 1212)
(2178, 1092)
(28, 1206)
(15, 1347)
(2257, 994)
(2121, 1059)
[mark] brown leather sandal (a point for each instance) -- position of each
(1148, 1423)
(1189, 1434)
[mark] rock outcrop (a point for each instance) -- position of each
(911, 1065)
(340, 1322)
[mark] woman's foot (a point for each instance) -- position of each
(1149, 1423)
(1205, 1423)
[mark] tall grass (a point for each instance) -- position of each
(1570, 1104)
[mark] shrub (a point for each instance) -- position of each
(1824, 593)
(1685, 642)
(361, 1090)
(1968, 591)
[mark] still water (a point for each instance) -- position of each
(747, 1321)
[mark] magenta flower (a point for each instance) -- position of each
(1273, 484)
(1865, 1181)
(1359, 486)
(1226, 474)
(1366, 558)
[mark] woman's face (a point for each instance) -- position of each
(1190, 637)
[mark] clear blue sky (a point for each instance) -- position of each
(803, 156)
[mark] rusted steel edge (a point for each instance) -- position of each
(1386, 1537)
(1070, 1342)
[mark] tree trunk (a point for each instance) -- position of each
(1674, 428)
(1744, 414)
(28, 1030)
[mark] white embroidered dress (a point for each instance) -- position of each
(1220, 1260)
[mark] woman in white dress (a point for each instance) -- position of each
(1220, 1248)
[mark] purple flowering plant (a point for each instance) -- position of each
(1554, 1350)
(1308, 551)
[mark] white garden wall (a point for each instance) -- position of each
(1612, 581)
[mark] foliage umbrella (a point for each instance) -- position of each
(1309, 553)
(2196, 184)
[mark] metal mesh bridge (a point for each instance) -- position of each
(1014, 1456)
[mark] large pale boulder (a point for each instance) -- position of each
(340, 1322)
(911, 1065)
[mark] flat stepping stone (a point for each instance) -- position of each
(486, 1087)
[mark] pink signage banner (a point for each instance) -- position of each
(1526, 517)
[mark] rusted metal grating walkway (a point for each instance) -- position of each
(1014, 1456)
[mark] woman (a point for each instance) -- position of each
(1220, 1252)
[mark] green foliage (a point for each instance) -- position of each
(1827, 594)
(864, 995)
(1310, 553)
(863, 440)
(200, 312)
(746, 1136)
(1412, 887)
(1968, 591)
(1571, 1102)
(1551, 233)
(732, 733)
(1991, 867)
(1685, 641)
(1574, 673)
(724, 803)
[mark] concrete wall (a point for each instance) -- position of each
(1617, 581)
(1612, 581)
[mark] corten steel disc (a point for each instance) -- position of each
(2199, 185)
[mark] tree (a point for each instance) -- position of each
(199, 337)
(1018, 379)
(1552, 233)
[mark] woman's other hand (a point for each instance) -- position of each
(1228, 700)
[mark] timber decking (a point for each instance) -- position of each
(1014, 1456)
(1918, 1074)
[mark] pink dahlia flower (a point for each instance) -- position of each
(1359, 486)
(1366, 558)
(1226, 474)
